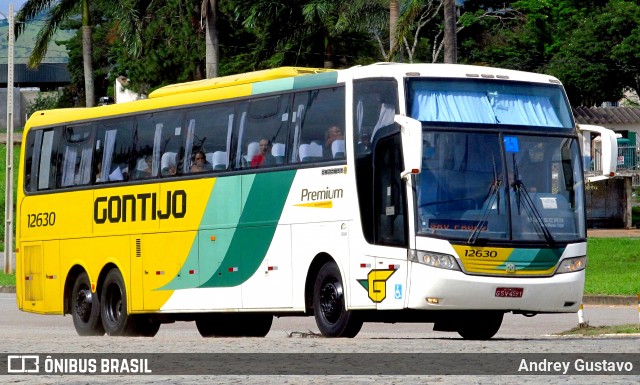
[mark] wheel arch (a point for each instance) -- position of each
(73, 274)
(314, 268)
(103, 273)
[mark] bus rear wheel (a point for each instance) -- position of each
(329, 309)
(115, 317)
(85, 308)
(481, 326)
(234, 325)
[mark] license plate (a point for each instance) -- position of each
(511, 292)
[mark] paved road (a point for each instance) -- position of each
(24, 332)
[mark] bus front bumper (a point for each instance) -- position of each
(433, 289)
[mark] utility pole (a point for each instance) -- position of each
(450, 38)
(8, 201)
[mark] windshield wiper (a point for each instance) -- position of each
(522, 196)
(492, 197)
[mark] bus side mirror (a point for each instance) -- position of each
(411, 135)
(606, 156)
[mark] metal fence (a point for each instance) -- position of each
(628, 163)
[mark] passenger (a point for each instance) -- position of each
(333, 133)
(264, 157)
(200, 163)
(99, 172)
(144, 168)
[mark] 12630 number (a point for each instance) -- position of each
(41, 219)
(478, 253)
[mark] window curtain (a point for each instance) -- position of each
(486, 108)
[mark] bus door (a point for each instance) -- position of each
(384, 223)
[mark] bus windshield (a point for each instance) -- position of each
(500, 187)
(491, 102)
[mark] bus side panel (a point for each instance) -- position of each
(271, 286)
(162, 262)
(311, 239)
(53, 279)
(40, 278)
(93, 254)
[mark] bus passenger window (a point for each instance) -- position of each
(114, 143)
(318, 125)
(76, 149)
(156, 134)
(265, 122)
(208, 138)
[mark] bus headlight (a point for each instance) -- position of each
(441, 261)
(570, 265)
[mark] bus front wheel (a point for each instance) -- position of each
(332, 318)
(85, 308)
(481, 325)
(115, 317)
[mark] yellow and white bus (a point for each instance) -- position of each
(434, 193)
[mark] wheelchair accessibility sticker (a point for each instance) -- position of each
(398, 291)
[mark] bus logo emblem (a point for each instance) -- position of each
(511, 268)
(376, 284)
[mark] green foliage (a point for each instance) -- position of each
(7, 279)
(3, 175)
(44, 101)
(171, 46)
(612, 266)
(601, 330)
(635, 216)
(592, 47)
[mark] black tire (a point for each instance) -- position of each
(481, 325)
(115, 317)
(329, 309)
(234, 325)
(144, 326)
(85, 308)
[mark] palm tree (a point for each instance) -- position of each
(130, 16)
(210, 15)
(59, 11)
(394, 11)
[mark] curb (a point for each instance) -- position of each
(7, 289)
(608, 300)
(611, 300)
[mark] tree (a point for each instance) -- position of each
(162, 43)
(59, 11)
(212, 51)
(596, 57)
(314, 33)
(450, 40)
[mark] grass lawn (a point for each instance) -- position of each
(3, 173)
(7, 279)
(613, 266)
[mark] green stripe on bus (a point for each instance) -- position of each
(305, 81)
(533, 259)
(242, 236)
(316, 80)
(258, 222)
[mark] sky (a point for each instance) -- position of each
(4, 6)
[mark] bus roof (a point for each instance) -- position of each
(443, 70)
(273, 80)
(234, 80)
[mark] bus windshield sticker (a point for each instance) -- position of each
(511, 144)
